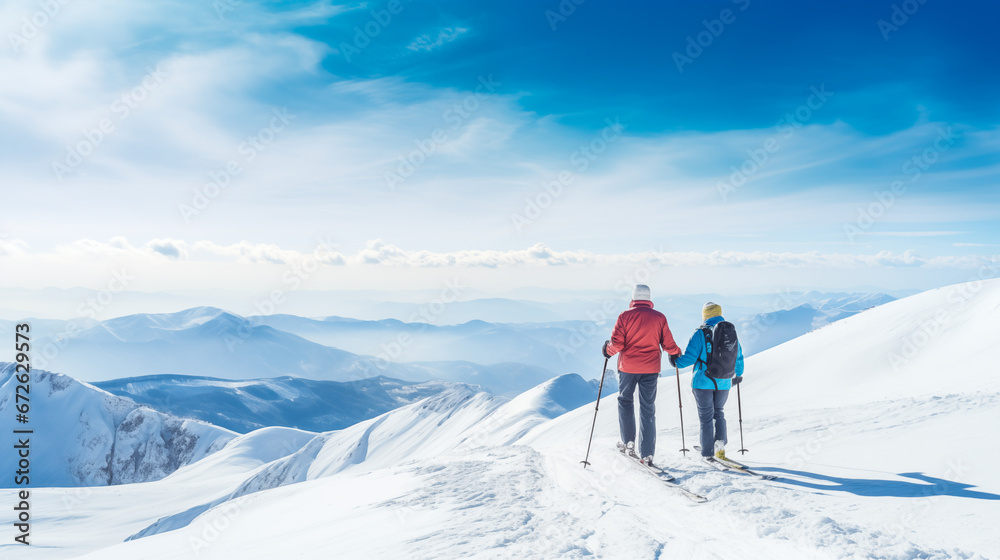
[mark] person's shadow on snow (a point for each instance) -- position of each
(927, 486)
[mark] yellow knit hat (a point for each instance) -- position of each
(711, 310)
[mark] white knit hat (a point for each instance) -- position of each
(640, 293)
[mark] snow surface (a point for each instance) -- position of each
(881, 436)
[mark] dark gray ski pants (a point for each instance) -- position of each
(627, 383)
(713, 420)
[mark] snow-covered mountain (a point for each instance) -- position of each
(84, 436)
(458, 418)
(875, 425)
(243, 406)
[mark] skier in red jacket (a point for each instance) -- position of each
(641, 335)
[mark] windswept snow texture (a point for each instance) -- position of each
(243, 406)
(84, 436)
(878, 426)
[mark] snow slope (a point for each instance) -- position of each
(86, 436)
(875, 461)
(939, 342)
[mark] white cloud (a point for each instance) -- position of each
(247, 252)
(12, 248)
(446, 35)
(917, 233)
(377, 252)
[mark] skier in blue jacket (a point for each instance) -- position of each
(710, 395)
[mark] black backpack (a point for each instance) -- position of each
(722, 349)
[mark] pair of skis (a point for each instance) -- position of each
(670, 481)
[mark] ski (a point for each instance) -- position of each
(727, 460)
(728, 466)
(737, 466)
(734, 464)
(665, 477)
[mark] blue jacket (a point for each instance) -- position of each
(696, 354)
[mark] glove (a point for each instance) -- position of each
(737, 380)
(604, 349)
(673, 359)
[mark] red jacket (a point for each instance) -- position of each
(640, 334)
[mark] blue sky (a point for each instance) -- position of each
(799, 144)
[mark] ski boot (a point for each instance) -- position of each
(720, 451)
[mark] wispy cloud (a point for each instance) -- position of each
(325, 173)
(917, 233)
(427, 43)
(378, 252)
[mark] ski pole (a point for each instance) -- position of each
(739, 407)
(680, 408)
(596, 407)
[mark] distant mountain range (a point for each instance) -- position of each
(244, 406)
(210, 342)
(503, 358)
